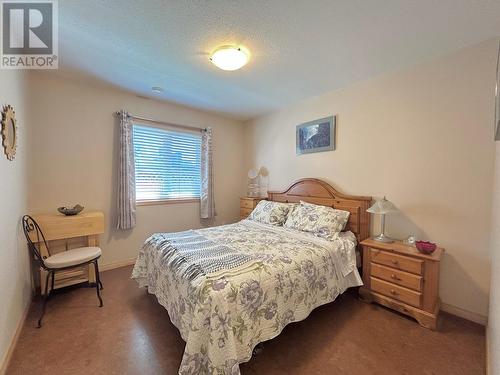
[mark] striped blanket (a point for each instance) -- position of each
(193, 256)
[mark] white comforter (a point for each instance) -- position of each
(222, 319)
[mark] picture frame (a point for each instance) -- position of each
(497, 99)
(316, 136)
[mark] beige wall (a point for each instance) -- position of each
(423, 137)
(15, 287)
(74, 147)
(494, 313)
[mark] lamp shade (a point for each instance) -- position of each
(382, 206)
(253, 173)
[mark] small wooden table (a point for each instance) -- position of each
(398, 276)
(68, 232)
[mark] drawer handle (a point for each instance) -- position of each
(393, 292)
(394, 261)
(394, 277)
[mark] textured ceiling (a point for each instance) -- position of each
(299, 48)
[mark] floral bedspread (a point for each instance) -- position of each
(222, 319)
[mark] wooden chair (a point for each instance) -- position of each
(73, 258)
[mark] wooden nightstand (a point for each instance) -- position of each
(247, 205)
(398, 276)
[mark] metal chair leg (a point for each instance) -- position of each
(45, 297)
(98, 283)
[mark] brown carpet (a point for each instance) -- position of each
(132, 334)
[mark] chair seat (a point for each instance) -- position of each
(72, 257)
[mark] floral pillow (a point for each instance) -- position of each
(269, 212)
(322, 221)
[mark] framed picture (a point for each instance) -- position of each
(497, 99)
(316, 136)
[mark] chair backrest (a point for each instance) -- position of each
(29, 226)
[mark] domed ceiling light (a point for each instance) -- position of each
(229, 57)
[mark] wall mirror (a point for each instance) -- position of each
(9, 132)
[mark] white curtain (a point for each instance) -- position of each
(207, 203)
(126, 175)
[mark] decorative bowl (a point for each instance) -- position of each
(70, 211)
(425, 247)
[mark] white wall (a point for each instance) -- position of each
(15, 284)
(421, 136)
(75, 143)
(494, 316)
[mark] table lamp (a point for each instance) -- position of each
(253, 183)
(382, 207)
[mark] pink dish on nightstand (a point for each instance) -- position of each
(425, 247)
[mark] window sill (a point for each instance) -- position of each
(167, 201)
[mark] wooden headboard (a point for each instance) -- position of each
(315, 191)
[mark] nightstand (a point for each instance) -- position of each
(398, 276)
(247, 204)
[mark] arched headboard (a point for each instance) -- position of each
(315, 191)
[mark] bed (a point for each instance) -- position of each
(238, 285)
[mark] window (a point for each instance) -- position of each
(167, 164)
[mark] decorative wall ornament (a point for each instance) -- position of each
(316, 136)
(9, 132)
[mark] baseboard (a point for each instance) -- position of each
(119, 264)
(15, 339)
(469, 315)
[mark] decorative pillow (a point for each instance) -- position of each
(322, 221)
(269, 212)
(292, 206)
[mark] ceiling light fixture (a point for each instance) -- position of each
(229, 57)
(157, 90)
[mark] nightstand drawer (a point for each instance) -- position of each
(244, 212)
(396, 292)
(402, 278)
(247, 203)
(397, 261)
(398, 276)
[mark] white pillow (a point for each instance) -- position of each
(269, 212)
(322, 221)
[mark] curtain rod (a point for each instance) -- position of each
(118, 113)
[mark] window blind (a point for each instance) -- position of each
(167, 164)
